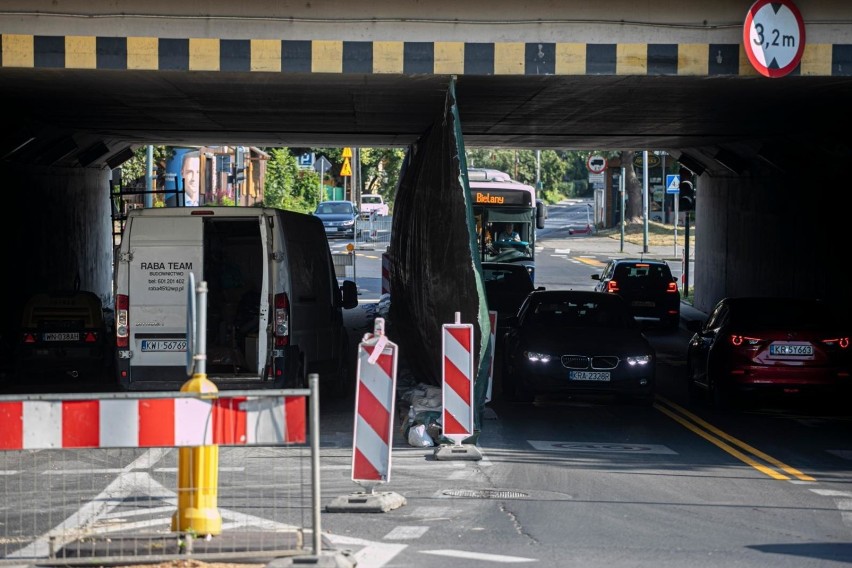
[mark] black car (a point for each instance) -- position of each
(338, 218)
(64, 333)
(647, 286)
(506, 287)
(577, 342)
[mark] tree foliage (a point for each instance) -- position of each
(133, 170)
(286, 185)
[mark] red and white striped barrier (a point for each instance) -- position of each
(492, 341)
(457, 392)
(151, 422)
(374, 404)
(385, 273)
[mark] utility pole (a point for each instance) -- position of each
(645, 200)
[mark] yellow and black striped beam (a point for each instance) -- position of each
(399, 57)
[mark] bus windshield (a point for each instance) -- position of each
(505, 214)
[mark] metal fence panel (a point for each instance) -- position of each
(110, 505)
(373, 233)
(344, 264)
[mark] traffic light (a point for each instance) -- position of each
(241, 163)
(686, 201)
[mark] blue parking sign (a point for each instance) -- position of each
(672, 183)
(306, 160)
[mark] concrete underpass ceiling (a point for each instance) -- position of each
(62, 117)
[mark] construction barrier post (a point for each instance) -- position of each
(492, 341)
(457, 391)
(385, 273)
(198, 467)
(373, 428)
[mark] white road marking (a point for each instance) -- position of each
(373, 555)
(9, 472)
(432, 512)
(600, 447)
(82, 471)
(406, 533)
(563, 251)
(479, 556)
(174, 469)
(832, 493)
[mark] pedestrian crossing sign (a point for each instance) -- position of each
(672, 183)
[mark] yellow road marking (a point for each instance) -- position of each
(716, 437)
(589, 261)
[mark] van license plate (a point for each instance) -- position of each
(163, 345)
(588, 375)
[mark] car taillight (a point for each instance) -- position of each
(745, 341)
(90, 337)
(612, 286)
(29, 337)
(282, 320)
(836, 342)
(122, 323)
(672, 288)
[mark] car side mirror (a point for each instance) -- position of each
(596, 276)
(350, 294)
(694, 325)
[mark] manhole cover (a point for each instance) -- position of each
(484, 493)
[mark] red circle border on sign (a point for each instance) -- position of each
(589, 164)
(763, 70)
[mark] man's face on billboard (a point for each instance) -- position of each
(189, 173)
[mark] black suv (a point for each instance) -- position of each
(648, 287)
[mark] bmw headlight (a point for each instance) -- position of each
(536, 357)
(639, 360)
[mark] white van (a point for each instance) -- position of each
(274, 305)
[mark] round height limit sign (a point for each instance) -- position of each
(774, 37)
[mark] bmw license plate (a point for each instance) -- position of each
(163, 345)
(61, 336)
(588, 375)
(791, 349)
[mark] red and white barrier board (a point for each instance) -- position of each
(457, 392)
(492, 341)
(151, 422)
(374, 408)
(385, 273)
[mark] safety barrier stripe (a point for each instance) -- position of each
(373, 413)
(458, 380)
(400, 57)
(129, 423)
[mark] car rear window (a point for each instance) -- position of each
(578, 314)
(773, 312)
(642, 270)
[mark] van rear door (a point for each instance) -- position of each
(158, 276)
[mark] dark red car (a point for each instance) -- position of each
(768, 345)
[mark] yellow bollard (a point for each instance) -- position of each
(198, 478)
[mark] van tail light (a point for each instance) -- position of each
(282, 320)
(122, 323)
(29, 337)
(612, 286)
(672, 288)
(90, 337)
